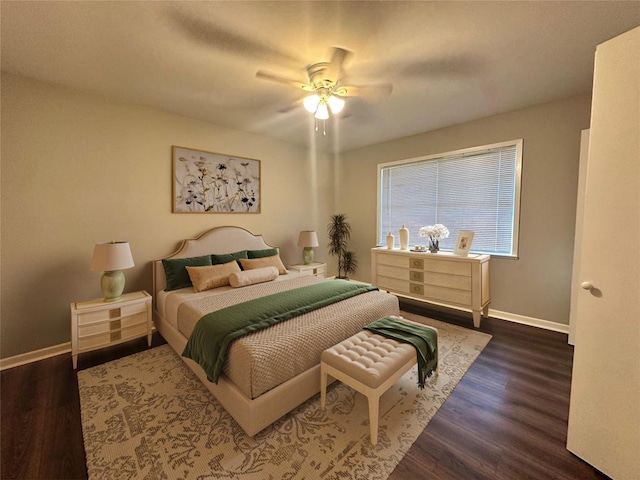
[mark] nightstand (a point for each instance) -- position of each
(97, 324)
(315, 268)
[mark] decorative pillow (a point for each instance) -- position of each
(250, 277)
(268, 252)
(227, 257)
(212, 276)
(176, 273)
(253, 263)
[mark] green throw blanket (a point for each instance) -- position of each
(214, 332)
(423, 338)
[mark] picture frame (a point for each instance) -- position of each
(463, 242)
(209, 182)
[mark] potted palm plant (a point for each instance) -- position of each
(339, 234)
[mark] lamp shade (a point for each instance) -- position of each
(111, 256)
(308, 238)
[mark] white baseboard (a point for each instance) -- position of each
(534, 322)
(34, 356)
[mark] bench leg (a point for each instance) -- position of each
(323, 386)
(374, 413)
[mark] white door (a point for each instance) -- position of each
(604, 414)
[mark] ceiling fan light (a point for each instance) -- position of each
(322, 113)
(311, 103)
(336, 104)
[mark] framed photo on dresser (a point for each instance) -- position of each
(463, 243)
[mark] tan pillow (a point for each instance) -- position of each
(251, 277)
(253, 263)
(211, 276)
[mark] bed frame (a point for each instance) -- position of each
(253, 415)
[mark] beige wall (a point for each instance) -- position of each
(79, 169)
(537, 284)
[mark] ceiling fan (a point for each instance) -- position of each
(326, 91)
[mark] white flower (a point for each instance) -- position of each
(435, 232)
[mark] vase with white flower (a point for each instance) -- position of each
(434, 233)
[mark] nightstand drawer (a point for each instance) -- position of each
(110, 314)
(110, 325)
(102, 339)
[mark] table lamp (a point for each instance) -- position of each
(111, 258)
(308, 239)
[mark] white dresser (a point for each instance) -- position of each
(442, 278)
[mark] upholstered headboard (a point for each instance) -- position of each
(218, 240)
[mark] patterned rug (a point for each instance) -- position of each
(148, 416)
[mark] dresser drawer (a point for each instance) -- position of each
(393, 260)
(447, 295)
(392, 272)
(448, 281)
(444, 266)
(395, 284)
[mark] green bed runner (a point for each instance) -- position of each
(423, 338)
(214, 332)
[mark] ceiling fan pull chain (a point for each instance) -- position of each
(324, 128)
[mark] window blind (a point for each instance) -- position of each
(476, 189)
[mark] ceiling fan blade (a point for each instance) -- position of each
(277, 78)
(378, 90)
(334, 69)
(209, 35)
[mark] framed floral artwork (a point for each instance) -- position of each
(463, 242)
(207, 182)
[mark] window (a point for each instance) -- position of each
(473, 189)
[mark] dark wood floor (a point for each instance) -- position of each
(506, 419)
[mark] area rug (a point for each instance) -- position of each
(148, 416)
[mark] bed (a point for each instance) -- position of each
(269, 372)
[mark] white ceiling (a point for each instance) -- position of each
(449, 62)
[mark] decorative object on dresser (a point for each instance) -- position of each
(404, 237)
(339, 234)
(111, 258)
(315, 268)
(98, 323)
(463, 242)
(445, 279)
(434, 233)
(390, 241)
(308, 239)
(207, 182)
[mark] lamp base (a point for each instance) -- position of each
(112, 284)
(307, 255)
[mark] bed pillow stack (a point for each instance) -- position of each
(191, 271)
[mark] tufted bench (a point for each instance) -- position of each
(368, 363)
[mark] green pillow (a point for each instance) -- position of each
(227, 257)
(269, 252)
(175, 273)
